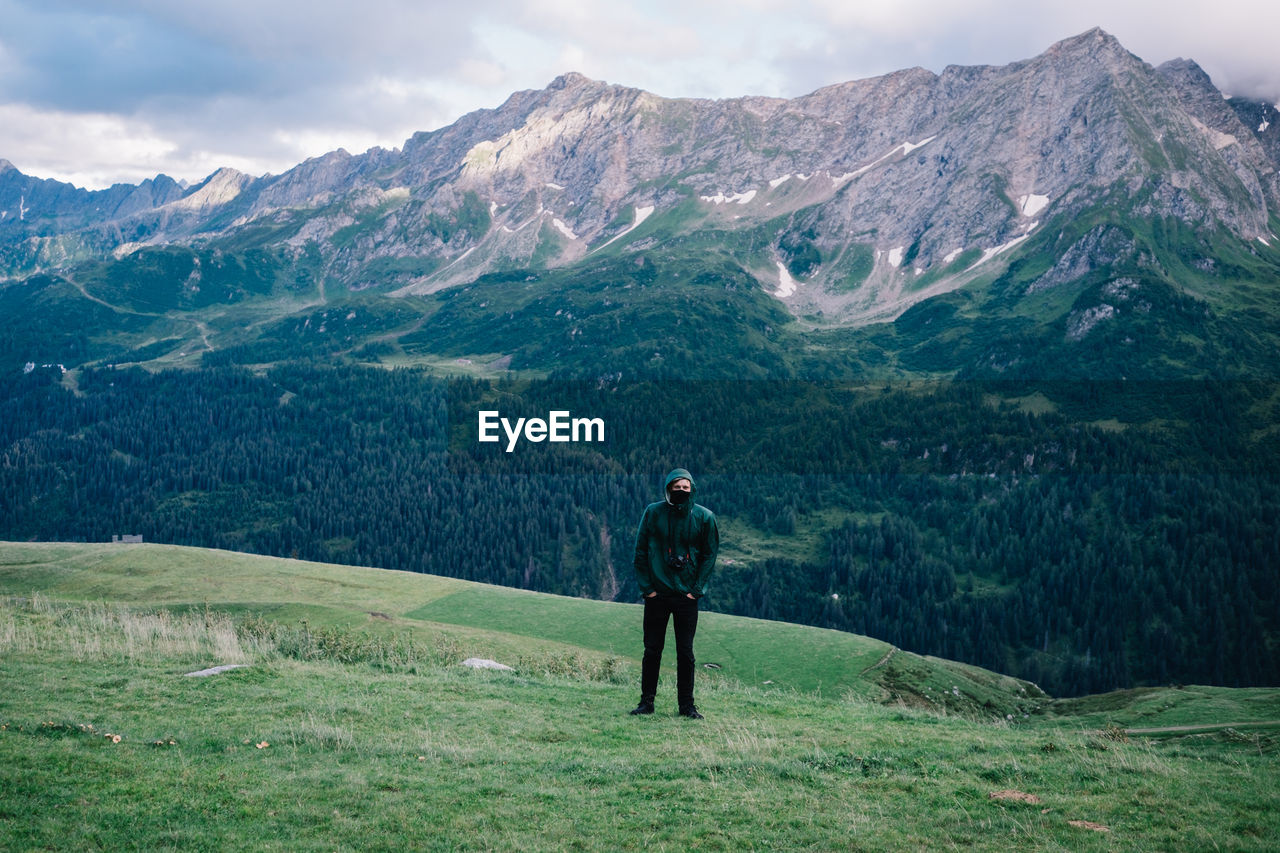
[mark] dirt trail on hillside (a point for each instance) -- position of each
(884, 660)
(116, 308)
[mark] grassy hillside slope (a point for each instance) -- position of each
(356, 729)
(496, 622)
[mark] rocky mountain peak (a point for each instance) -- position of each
(220, 188)
(1088, 56)
(1093, 44)
(1186, 71)
(934, 178)
(573, 80)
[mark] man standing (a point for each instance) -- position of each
(676, 549)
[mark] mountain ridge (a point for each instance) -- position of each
(844, 207)
(536, 137)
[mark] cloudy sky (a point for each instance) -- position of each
(99, 91)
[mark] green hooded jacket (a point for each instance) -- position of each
(670, 530)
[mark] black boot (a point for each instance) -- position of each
(645, 707)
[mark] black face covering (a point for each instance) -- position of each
(679, 498)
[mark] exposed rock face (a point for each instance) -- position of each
(1101, 247)
(1261, 120)
(919, 168)
(1239, 147)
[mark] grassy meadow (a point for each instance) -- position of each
(351, 726)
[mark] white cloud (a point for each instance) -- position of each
(1232, 39)
(125, 90)
(55, 142)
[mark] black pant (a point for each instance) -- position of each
(683, 611)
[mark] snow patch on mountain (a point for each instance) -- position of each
(564, 229)
(1032, 204)
(777, 182)
(642, 213)
(908, 147)
(988, 254)
(460, 258)
(786, 284)
(736, 198)
(903, 149)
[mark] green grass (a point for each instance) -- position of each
(614, 315)
(1174, 708)
(742, 541)
(494, 622)
(753, 651)
(104, 743)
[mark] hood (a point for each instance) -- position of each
(680, 474)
